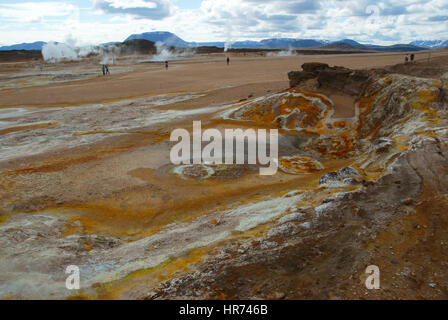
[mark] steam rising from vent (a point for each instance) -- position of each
(108, 59)
(109, 54)
(165, 53)
(228, 44)
(54, 52)
(285, 53)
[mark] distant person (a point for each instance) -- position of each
(104, 69)
(412, 58)
(406, 59)
(166, 65)
(107, 69)
(228, 60)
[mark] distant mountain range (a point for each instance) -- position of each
(351, 45)
(24, 46)
(173, 40)
(430, 44)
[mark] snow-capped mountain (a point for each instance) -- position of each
(430, 44)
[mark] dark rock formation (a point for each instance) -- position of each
(297, 77)
(351, 82)
(341, 79)
(136, 46)
(315, 67)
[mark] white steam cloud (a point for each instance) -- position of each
(228, 44)
(108, 59)
(285, 53)
(55, 52)
(164, 53)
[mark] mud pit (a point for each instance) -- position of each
(362, 180)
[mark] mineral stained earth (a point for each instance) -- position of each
(362, 180)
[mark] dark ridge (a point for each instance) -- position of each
(20, 55)
(135, 46)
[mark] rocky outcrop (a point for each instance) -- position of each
(347, 175)
(310, 71)
(350, 82)
(297, 77)
(387, 208)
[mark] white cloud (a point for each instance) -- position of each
(119, 4)
(35, 12)
(149, 9)
(391, 21)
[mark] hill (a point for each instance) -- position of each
(351, 45)
(133, 46)
(342, 46)
(166, 38)
(19, 55)
(172, 40)
(280, 43)
(24, 46)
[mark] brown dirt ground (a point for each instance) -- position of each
(189, 75)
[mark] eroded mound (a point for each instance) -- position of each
(398, 143)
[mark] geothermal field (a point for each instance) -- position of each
(86, 177)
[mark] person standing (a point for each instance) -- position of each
(166, 65)
(107, 69)
(104, 69)
(406, 59)
(412, 58)
(228, 60)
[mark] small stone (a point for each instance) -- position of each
(432, 285)
(77, 223)
(306, 225)
(278, 295)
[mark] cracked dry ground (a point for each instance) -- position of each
(363, 181)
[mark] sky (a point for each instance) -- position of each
(84, 22)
